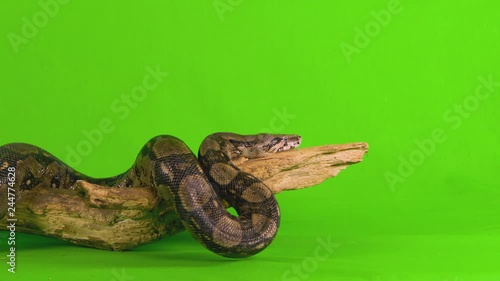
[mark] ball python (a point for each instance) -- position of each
(201, 187)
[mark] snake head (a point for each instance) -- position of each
(261, 145)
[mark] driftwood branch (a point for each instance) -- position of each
(305, 167)
(120, 219)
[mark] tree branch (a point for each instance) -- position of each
(120, 219)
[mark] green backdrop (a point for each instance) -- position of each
(418, 80)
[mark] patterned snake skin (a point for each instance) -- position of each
(200, 187)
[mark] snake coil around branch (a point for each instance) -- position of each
(168, 190)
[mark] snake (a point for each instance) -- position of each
(202, 188)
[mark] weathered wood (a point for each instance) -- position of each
(120, 219)
(305, 167)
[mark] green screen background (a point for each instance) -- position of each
(407, 77)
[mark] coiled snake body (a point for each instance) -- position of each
(200, 187)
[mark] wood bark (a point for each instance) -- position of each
(120, 219)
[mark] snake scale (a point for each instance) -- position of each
(201, 187)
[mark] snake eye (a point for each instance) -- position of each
(274, 142)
